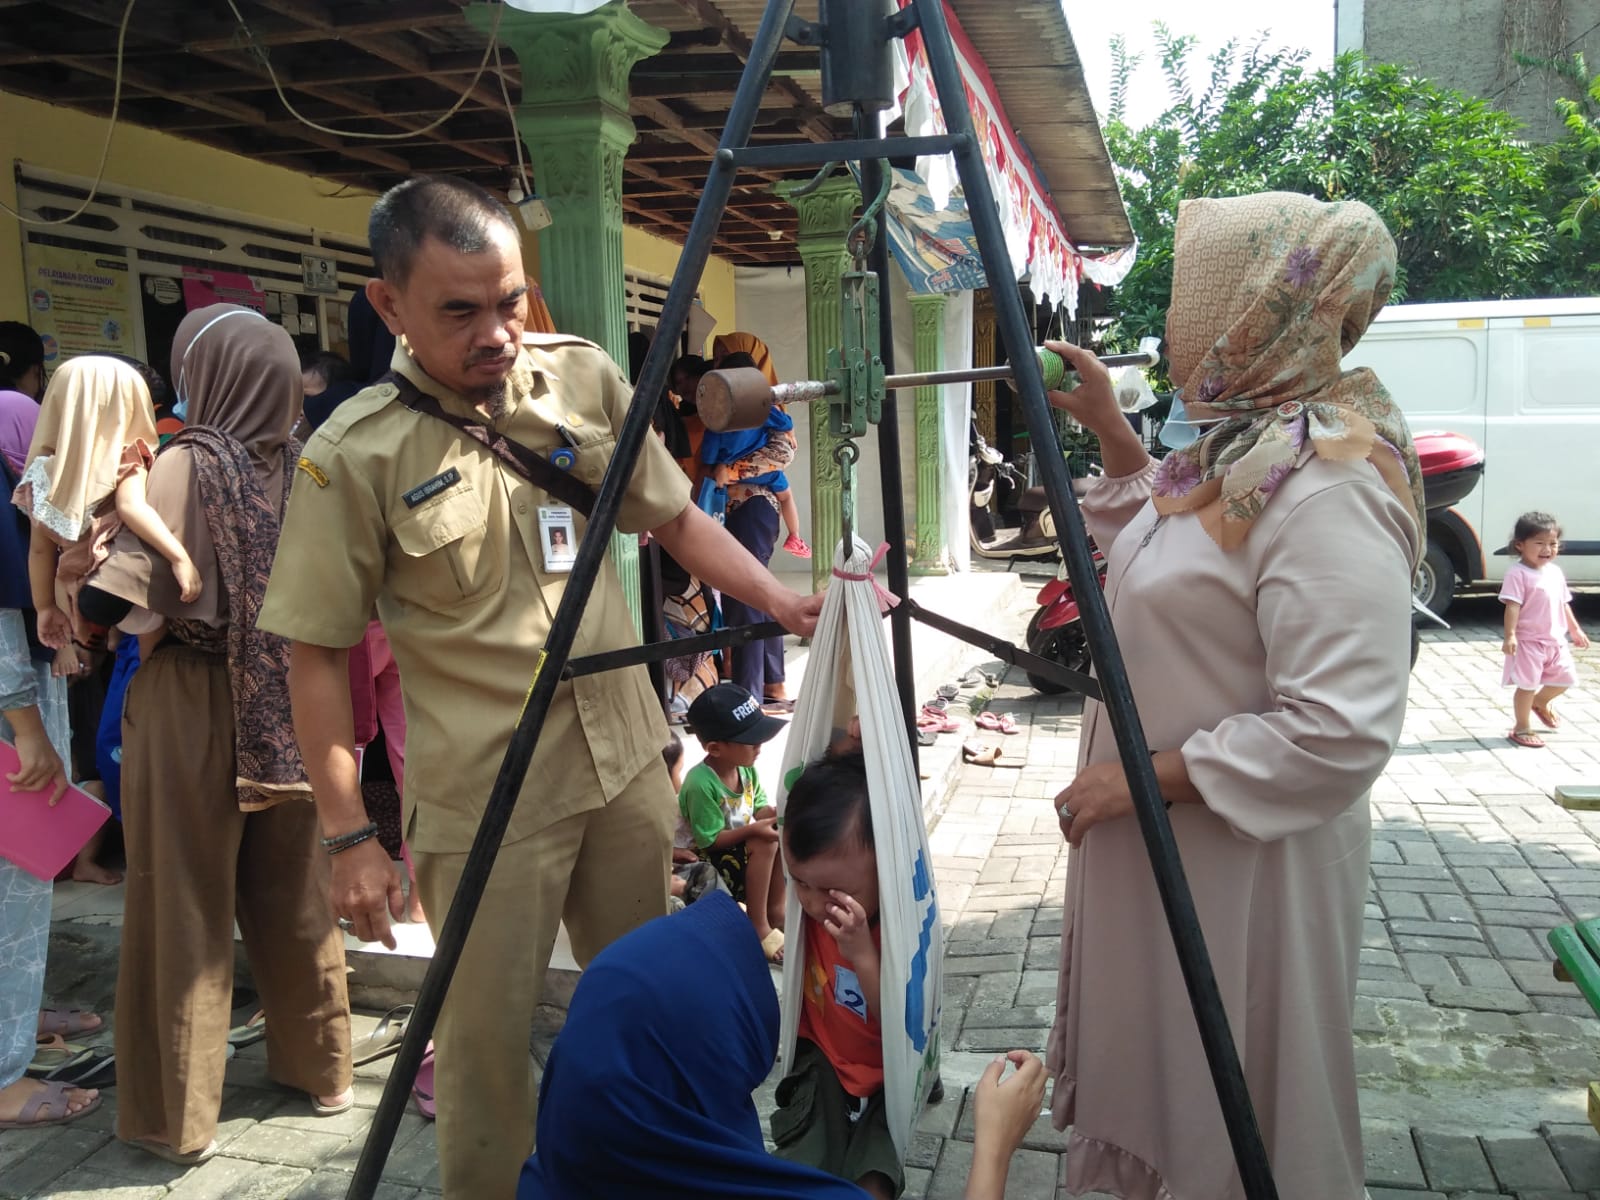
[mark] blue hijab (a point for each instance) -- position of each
(647, 1091)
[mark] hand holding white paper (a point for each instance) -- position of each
(850, 651)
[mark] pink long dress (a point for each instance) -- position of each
(1280, 671)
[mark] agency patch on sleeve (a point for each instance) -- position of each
(430, 488)
(318, 475)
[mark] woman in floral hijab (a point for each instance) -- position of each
(1259, 584)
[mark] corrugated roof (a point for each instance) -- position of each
(1036, 69)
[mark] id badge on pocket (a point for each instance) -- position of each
(558, 538)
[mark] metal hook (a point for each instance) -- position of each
(846, 454)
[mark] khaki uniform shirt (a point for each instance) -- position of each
(456, 572)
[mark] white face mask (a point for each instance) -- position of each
(180, 407)
(1178, 431)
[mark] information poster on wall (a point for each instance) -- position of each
(79, 301)
(204, 288)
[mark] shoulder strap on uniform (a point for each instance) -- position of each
(531, 465)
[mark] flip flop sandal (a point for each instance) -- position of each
(980, 755)
(333, 1110)
(938, 704)
(997, 722)
(251, 1032)
(51, 1051)
(777, 707)
(1547, 718)
(940, 724)
(926, 735)
(165, 1152)
(53, 1095)
(771, 944)
(422, 1088)
(90, 1069)
(987, 720)
(68, 1022)
(1525, 738)
(384, 1038)
(948, 691)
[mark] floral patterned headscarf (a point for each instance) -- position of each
(1269, 292)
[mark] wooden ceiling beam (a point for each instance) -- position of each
(398, 16)
(380, 46)
(242, 114)
(711, 17)
(245, 61)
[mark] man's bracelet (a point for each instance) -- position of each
(337, 845)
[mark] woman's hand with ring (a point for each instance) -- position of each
(1099, 793)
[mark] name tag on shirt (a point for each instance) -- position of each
(430, 488)
(558, 539)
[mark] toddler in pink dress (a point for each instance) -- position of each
(1539, 621)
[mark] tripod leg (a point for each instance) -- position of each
(1212, 1019)
(870, 126)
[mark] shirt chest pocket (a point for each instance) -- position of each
(444, 554)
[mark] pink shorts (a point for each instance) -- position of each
(1538, 664)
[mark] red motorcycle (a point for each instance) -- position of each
(1451, 467)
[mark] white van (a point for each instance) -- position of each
(1522, 379)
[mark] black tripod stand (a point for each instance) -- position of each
(855, 49)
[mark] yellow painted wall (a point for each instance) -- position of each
(644, 251)
(61, 139)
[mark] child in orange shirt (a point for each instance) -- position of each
(831, 1112)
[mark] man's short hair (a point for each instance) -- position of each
(459, 213)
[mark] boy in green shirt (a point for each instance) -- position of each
(723, 804)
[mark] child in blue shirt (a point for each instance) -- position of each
(723, 449)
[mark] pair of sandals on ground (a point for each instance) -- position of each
(935, 719)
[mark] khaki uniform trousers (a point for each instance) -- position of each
(603, 872)
(195, 864)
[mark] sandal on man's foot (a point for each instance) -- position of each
(51, 1096)
(1526, 738)
(342, 1103)
(163, 1151)
(777, 706)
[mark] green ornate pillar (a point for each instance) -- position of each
(927, 317)
(983, 394)
(826, 215)
(573, 115)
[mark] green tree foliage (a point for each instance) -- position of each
(1474, 209)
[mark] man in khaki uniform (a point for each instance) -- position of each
(399, 510)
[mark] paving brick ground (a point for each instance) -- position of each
(1473, 1059)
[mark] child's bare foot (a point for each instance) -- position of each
(86, 870)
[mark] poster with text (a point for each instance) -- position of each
(79, 301)
(204, 288)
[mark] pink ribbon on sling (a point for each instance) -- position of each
(886, 598)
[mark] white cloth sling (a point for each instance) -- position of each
(850, 653)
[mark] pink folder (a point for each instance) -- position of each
(40, 839)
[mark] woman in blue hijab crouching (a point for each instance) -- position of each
(647, 1091)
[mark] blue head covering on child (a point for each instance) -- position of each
(647, 1091)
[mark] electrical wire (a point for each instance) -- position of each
(516, 134)
(105, 147)
(261, 54)
(1530, 70)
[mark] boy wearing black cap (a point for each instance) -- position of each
(722, 802)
